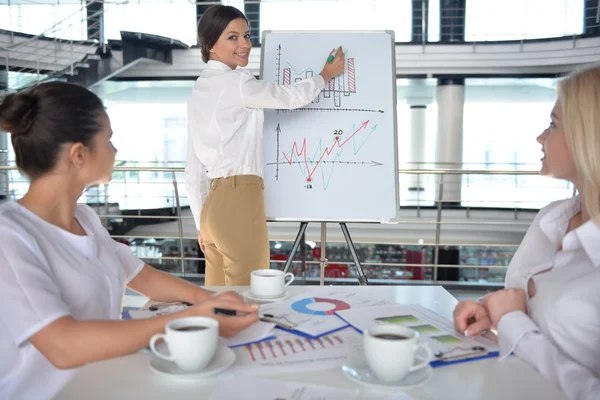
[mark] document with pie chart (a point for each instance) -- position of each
(313, 313)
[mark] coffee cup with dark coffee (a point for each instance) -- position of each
(192, 342)
(269, 283)
(390, 351)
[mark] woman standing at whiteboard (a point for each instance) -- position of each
(224, 169)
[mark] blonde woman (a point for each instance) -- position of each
(549, 313)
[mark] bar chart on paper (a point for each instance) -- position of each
(293, 351)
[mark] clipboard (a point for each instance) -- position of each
(445, 341)
(474, 356)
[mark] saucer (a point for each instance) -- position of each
(222, 360)
(358, 371)
(256, 299)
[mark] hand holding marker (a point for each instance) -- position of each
(334, 65)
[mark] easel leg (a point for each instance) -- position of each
(362, 279)
(323, 260)
(299, 238)
(303, 256)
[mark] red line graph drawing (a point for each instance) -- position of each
(301, 152)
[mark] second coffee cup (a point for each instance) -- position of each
(269, 283)
(390, 351)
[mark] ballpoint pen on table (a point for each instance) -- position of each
(263, 317)
(271, 319)
(158, 306)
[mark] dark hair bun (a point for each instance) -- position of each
(17, 113)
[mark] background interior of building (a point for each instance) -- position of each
(479, 73)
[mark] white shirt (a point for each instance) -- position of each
(47, 273)
(225, 124)
(560, 334)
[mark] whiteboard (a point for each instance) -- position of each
(335, 159)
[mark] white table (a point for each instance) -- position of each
(129, 377)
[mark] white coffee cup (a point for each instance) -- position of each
(268, 283)
(192, 342)
(390, 351)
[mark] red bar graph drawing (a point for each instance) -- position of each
(270, 346)
(351, 77)
(286, 76)
(341, 86)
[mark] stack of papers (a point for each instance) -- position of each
(437, 332)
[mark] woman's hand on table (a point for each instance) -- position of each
(503, 302)
(228, 325)
(471, 318)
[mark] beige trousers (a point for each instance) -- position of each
(234, 230)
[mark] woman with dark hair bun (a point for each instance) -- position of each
(62, 277)
(224, 168)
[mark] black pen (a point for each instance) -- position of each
(271, 318)
(227, 311)
(264, 317)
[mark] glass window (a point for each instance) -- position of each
(352, 15)
(518, 19)
(239, 4)
(433, 20)
(64, 21)
(152, 111)
(175, 19)
(502, 119)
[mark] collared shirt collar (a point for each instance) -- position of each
(556, 222)
(218, 65)
(589, 237)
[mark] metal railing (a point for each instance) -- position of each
(45, 55)
(419, 216)
(31, 59)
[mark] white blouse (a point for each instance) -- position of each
(560, 334)
(225, 124)
(47, 273)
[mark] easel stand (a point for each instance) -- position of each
(362, 279)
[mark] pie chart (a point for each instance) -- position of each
(302, 306)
